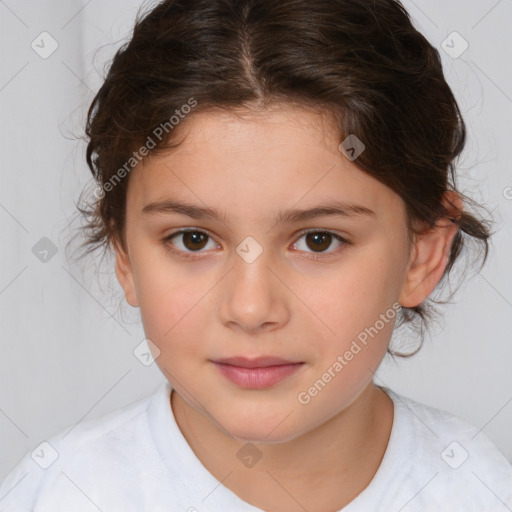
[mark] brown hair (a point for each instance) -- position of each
(361, 61)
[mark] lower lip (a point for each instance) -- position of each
(257, 378)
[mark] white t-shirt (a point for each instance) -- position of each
(136, 459)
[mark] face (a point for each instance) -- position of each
(290, 295)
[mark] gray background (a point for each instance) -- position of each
(66, 345)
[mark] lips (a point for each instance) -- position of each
(256, 373)
(257, 362)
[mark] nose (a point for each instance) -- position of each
(254, 297)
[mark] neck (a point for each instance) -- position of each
(325, 468)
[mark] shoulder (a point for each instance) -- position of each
(83, 451)
(448, 459)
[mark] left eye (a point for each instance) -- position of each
(319, 241)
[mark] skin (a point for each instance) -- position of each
(320, 455)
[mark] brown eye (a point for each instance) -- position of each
(194, 240)
(188, 241)
(320, 241)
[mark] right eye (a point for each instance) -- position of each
(190, 241)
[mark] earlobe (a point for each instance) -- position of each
(124, 273)
(429, 258)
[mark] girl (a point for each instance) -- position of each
(277, 182)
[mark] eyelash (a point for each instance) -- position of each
(196, 255)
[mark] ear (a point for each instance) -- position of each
(124, 274)
(430, 255)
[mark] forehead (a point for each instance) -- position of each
(279, 129)
(279, 157)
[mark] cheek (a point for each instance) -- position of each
(171, 303)
(356, 291)
(349, 302)
(173, 322)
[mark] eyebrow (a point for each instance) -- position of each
(336, 208)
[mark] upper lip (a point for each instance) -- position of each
(256, 362)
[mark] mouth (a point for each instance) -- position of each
(257, 373)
